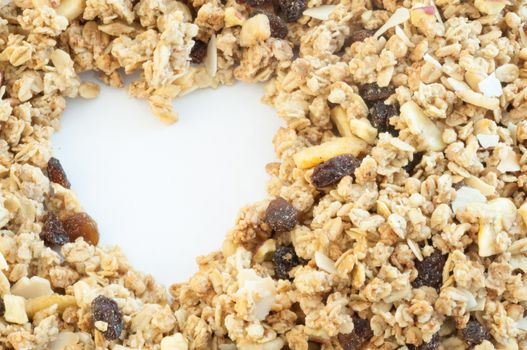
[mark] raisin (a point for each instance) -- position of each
(331, 171)
(81, 225)
(410, 167)
(53, 232)
(373, 92)
(278, 26)
(106, 310)
(360, 35)
(281, 215)
(257, 3)
(2, 307)
(474, 332)
(292, 9)
(198, 52)
(358, 337)
(433, 344)
(380, 115)
(56, 173)
(430, 271)
(285, 259)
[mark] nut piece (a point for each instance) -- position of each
(40, 303)
(363, 129)
(32, 287)
(255, 29)
(419, 124)
(264, 251)
(421, 15)
(174, 342)
(312, 156)
(507, 73)
(89, 90)
(71, 9)
(15, 310)
(490, 7)
(341, 121)
(477, 99)
(63, 340)
(504, 214)
(233, 18)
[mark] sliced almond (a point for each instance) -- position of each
(211, 60)
(32, 287)
(509, 162)
(363, 129)
(341, 121)
(312, 156)
(400, 16)
(254, 30)
(324, 263)
(419, 124)
(432, 61)
(402, 35)
(321, 12)
(477, 99)
(415, 249)
(71, 9)
(457, 85)
(488, 141)
(268, 247)
(15, 310)
(40, 303)
(3, 263)
(483, 187)
(465, 196)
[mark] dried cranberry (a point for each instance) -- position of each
(433, 344)
(198, 52)
(285, 259)
(410, 167)
(430, 271)
(360, 335)
(281, 215)
(292, 9)
(360, 35)
(106, 310)
(380, 115)
(475, 333)
(53, 233)
(373, 92)
(56, 173)
(278, 26)
(331, 171)
(81, 225)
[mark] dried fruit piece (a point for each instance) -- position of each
(81, 225)
(292, 9)
(40, 303)
(278, 26)
(53, 232)
(360, 335)
(475, 333)
(331, 171)
(56, 173)
(256, 3)
(198, 52)
(430, 270)
(254, 30)
(281, 215)
(410, 167)
(106, 310)
(380, 115)
(285, 259)
(361, 35)
(373, 92)
(433, 344)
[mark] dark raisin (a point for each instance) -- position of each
(410, 167)
(358, 337)
(198, 52)
(56, 173)
(360, 35)
(2, 306)
(281, 215)
(278, 26)
(292, 9)
(380, 115)
(433, 344)
(373, 92)
(430, 270)
(106, 310)
(81, 225)
(331, 171)
(53, 233)
(475, 333)
(285, 259)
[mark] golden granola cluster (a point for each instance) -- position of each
(395, 217)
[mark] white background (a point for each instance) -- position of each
(167, 194)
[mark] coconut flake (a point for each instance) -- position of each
(325, 263)
(522, 324)
(400, 16)
(509, 162)
(432, 60)
(465, 196)
(3, 263)
(211, 61)
(488, 141)
(257, 290)
(402, 35)
(32, 287)
(322, 12)
(491, 86)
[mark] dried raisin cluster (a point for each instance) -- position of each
(285, 259)
(281, 216)
(53, 233)
(57, 174)
(360, 335)
(475, 333)
(430, 271)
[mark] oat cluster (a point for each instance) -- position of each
(396, 216)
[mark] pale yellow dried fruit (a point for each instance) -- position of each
(71, 9)
(15, 310)
(254, 30)
(312, 156)
(37, 304)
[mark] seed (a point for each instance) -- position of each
(430, 270)
(198, 52)
(292, 9)
(360, 335)
(53, 233)
(81, 225)
(331, 171)
(475, 333)
(410, 167)
(433, 344)
(373, 92)
(281, 215)
(56, 173)
(106, 310)
(285, 259)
